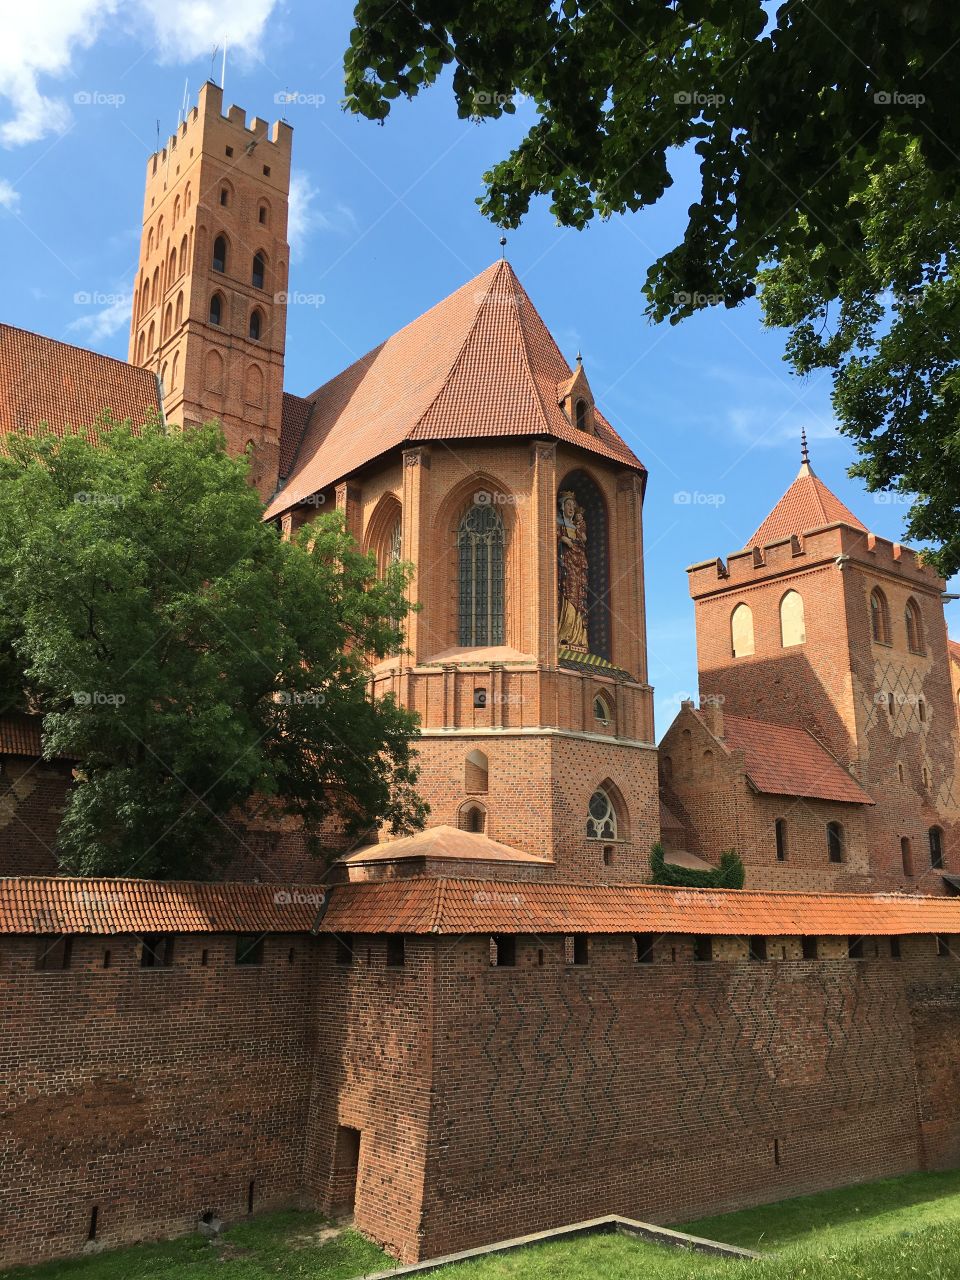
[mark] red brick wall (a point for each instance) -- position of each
(155, 1094)
(32, 798)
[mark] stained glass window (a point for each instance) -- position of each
(480, 556)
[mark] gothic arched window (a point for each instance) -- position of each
(216, 309)
(220, 253)
(935, 838)
(259, 269)
(480, 544)
(792, 627)
(741, 631)
(914, 627)
(256, 323)
(601, 817)
(879, 616)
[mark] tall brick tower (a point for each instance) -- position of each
(209, 306)
(821, 624)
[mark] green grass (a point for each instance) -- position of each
(903, 1227)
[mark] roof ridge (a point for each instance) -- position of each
(525, 346)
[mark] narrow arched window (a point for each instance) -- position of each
(174, 370)
(835, 841)
(480, 543)
(580, 413)
(879, 616)
(256, 321)
(601, 817)
(741, 631)
(914, 627)
(220, 253)
(792, 627)
(178, 317)
(258, 270)
(780, 830)
(906, 856)
(224, 196)
(216, 309)
(601, 711)
(183, 255)
(708, 764)
(935, 836)
(472, 817)
(475, 772)
(262, 215)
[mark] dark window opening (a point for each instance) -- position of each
(810, 949)
(643, 943)
(936, 847)
(106, 959)
(258, 270)
(504, 951)
(156, 952)
(249, 948)
(291, 956)
(216, 309)
(581, 415)
(702, 949)
(835, 841)
(776, 1151)
(263, 213)
(758, 948)
(943, 946)
(855, 948)
(250, 1188)
(396, 951)
(229, 151)
(94, 1222)
(220, 254)
(540, 956)
(608, 855)
(266, 171)
(256, 320)
(204, 957)
(581, 949)
(894, 948)
(780, 830)
(54, 953)
(223, 195)
(344, 948)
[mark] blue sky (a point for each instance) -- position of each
(384, 224)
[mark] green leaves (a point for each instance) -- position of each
(186, 658)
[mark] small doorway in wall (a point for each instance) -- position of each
(346, 1164)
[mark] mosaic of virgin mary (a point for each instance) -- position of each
(572, 573)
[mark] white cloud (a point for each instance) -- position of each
(41, 39)
(304, 217)
(9, 196)
(110, 317)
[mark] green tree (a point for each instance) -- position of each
(827, 140)
(185, 656)
(730, 873)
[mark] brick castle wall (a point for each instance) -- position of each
(153, 1094)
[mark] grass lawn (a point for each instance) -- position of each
(902, 1227)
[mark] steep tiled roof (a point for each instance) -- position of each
(807, 504)
(478, 906)
(789, 762)
(66, 904)
(479, 364)
(45, 381)
(294, 416)
(443, 841)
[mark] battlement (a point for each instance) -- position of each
(837, 542)
(208, 117)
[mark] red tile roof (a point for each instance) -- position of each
(807, 504)
(66, 904)
(443, 841)
(479, 364)
(45, 381)
(483, 906)
(294, 417)
(20, 735)
(789, 762)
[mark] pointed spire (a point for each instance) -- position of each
(579, 357)
(804, 453)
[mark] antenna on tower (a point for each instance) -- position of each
(213, 59)
(223, 65)
(185, 103)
